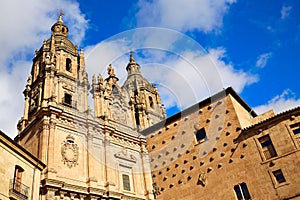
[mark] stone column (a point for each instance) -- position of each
(51, 147)
(45, 129)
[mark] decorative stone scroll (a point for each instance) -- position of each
(125, 156)
(69, 152)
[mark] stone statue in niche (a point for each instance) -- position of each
(110, 70)
(69, 152)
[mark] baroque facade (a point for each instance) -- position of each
(101, 156)
(218, 148)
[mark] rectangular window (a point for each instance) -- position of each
(295, 128)
(18, 178)
(68, 99)
(267, 147)
(16, 186)
(279, 176)
(200, 135)
(126, 182)
(241, 192)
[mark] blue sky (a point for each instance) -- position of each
(269, 30)
(254, 45)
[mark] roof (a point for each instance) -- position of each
(21, 151)
(262, 124)
(274, 117)
(198, 105)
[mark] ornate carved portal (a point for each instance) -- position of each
(69, 152)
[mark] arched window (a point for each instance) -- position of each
(68, 64)
(151, 102)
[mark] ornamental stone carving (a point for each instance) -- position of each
(202, 180)
(126, 156)
(69, 152)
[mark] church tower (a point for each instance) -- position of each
(58, 76)
(87, 157)
(136, 104)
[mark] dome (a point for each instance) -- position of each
(59, 28)
(134, 78)
(60, 37)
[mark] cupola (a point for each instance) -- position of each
(59, 28)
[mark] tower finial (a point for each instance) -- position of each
(61, 14)
(131, 59)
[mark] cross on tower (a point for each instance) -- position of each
(61, 12)
(131, 57)
(131, 52)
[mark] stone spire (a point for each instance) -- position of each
(145, 101)
(132, 67)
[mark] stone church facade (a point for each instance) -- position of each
(96, 157)
(218, 148)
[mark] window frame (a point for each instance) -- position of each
(243, 192)
(151, 102)
(279, 173)
(68, 65)
(18, 173)
(276, 184)
(201, 139)
(125, 168)
(267, 148)
(68, 99)
(295, 127)
(126, 183)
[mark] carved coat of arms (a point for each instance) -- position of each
(69, 152)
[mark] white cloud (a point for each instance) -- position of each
(194, 76)
(24, 26)
(263, 59)
(202, 15)
(286, 100)
(285, 11)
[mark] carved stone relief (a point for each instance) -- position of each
(202, 180)
(69, 152)
(126, 156)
